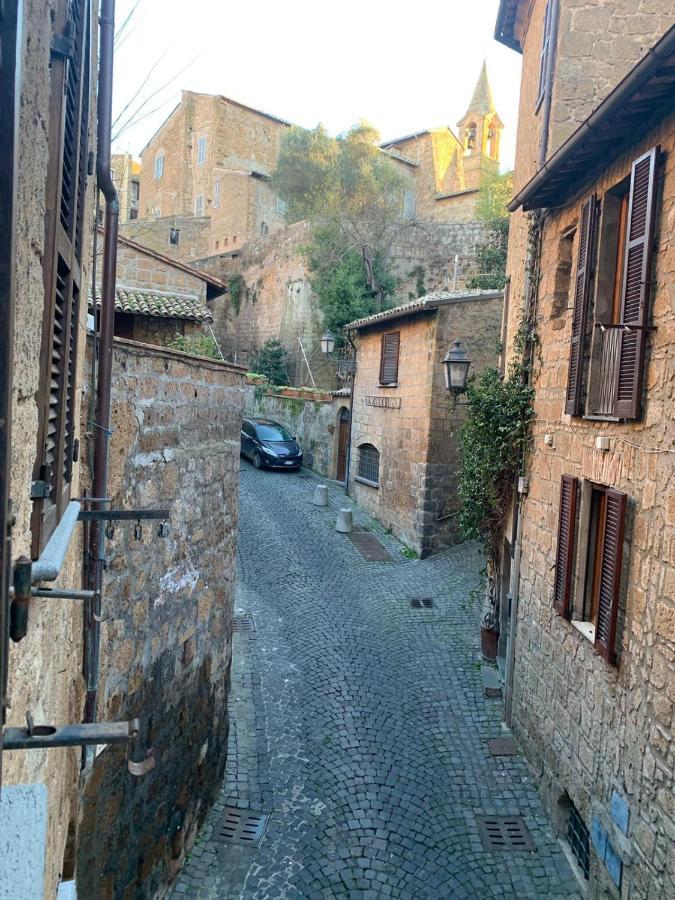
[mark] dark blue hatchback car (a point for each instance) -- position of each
(267, 443)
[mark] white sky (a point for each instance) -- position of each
(402, 66)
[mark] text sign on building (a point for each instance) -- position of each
(386, 402)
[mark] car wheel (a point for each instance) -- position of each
(257, 460)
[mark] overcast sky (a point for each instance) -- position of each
(402, 66)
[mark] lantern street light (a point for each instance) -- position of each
(327, 343)
(456, 364)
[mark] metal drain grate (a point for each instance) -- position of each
(369, 547)
(503, 747)
(422, 603)
(240, 826)
(505, 833)
(243, 624)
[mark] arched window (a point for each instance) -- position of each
(369, 464)
(471, 138)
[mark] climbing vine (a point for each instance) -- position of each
(237, 288)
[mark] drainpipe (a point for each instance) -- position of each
(348, 461)
(101, 423)
(550, 69)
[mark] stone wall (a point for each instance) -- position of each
(593, 730)
(312, 417)
(136, 269)
(45, 667)
(167, 616)
(194, 239)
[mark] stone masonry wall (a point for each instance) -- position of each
(194, 239)
(591, 729)
(45, 667)
(166, 631)
(313, 419)
(136, 269)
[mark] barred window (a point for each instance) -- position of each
(369, 464)
(577, 835)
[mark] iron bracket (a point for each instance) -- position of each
(44, 737)
(133, 515)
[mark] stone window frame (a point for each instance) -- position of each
(159, 165)
(201, 150)
(199, 206)
(368, 465)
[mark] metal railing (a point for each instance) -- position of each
(610, 350)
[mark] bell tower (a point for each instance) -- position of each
(480, 130)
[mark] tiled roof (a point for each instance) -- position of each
(141, 302)
(423, 304)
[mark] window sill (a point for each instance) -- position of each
(373, 484)
(600, 418)
(586, 628)
(394, 384)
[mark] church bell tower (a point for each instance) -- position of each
(479, 133)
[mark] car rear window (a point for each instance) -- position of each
(273, 433)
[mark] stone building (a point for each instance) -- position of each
(211, 159)
(445, 171)
(403, 466)
(126, 173)
(587, 568)
(158, 298)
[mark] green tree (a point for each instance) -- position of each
(271, 362)
(197, 344)
(352, 194)
(491, 251)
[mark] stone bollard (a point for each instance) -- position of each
(320, 495)
(344, 521)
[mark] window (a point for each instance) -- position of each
(157, 212)
(159, 166)
(201, 151)
(409, 205)
(369, 465)
(577, 835)
(199, 205)
(594, 608)
(216, 194)
(545, 54)
(134, 191)
(281, 207)
(174, 236)
(606, 380)
(66, 182)
(389, 358)
(470, 139)
(264, 228)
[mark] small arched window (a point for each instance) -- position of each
(369, 464)
(471, 138)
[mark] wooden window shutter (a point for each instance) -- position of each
(543, 57)
(613, 526)
(567, 519)
(65, 226)
(389, 357)
(582, 288)
(636, 284)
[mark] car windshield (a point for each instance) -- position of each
(273, 433)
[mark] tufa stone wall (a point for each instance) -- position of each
(313, 419)
(166, 634)
(194, 239)
(590, 729)
(136, 269)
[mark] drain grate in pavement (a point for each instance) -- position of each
(369, 547)
(503, 747)
(244, 624)
(240, 826)
(422, 603)
(505, 833)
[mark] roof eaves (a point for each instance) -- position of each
(504, 26)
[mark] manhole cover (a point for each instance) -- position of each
(422, 603)
(369, 547)
(503, 747)
(241, 826)
(243, 624)
(504, 833)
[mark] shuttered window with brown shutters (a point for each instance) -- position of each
(64, 234)
(607, 574)
(582, 289)
(389, 358)
(636, 284)
(544, 55)
(564, 563)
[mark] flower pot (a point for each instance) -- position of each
(488, 642)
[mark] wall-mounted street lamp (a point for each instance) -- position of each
(456, 364)
(327, 343)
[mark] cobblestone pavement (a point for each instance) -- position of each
(359, 724)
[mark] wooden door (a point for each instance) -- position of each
(343, 444)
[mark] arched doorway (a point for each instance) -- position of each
(343, 444)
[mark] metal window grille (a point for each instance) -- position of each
(369, 463)
(577, 835)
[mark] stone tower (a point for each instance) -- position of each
(479, 132)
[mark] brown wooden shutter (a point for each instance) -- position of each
(543, 57)
(567, 518)
(636, 284)
(613, 526)
(582, 287)
(65, 226)
(389, 357)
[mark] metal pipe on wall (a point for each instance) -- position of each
(101, 424)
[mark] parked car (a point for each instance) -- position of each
(267, 443)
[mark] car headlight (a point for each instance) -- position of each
(271, 452)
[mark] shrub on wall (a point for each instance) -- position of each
(196, 345)
(271, 362)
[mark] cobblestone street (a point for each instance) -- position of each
(359, 723)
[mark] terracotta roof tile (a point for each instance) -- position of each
(141, 302)
(428, 302)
